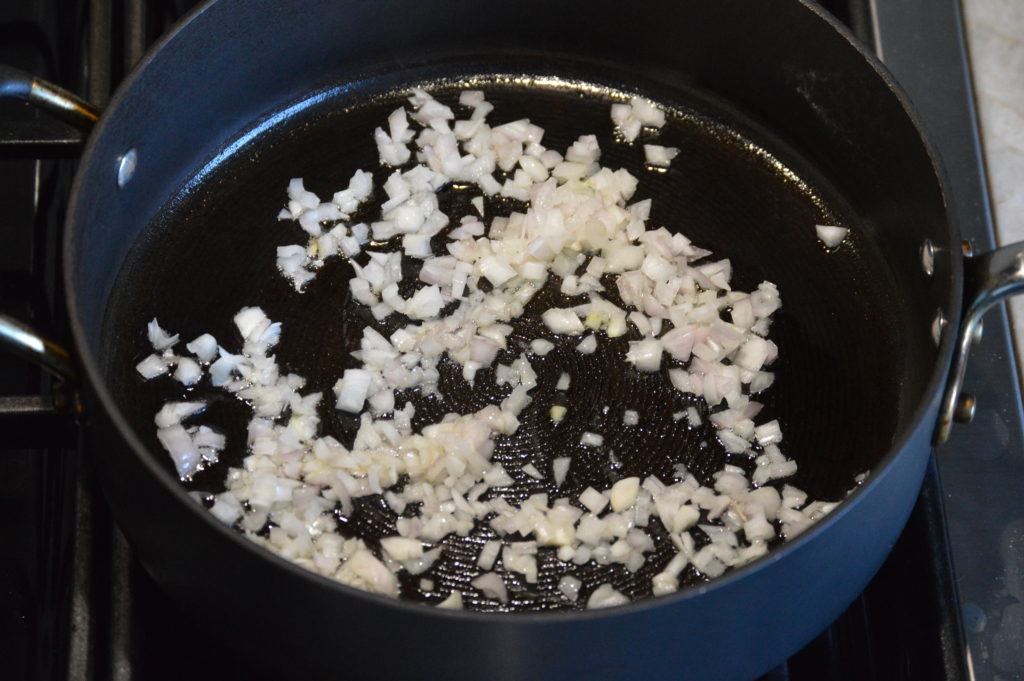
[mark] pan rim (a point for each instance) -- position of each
(88, 360)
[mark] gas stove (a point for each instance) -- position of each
(74, 604)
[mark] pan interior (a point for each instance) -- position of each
(734, 189)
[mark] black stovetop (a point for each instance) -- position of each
(75, 605)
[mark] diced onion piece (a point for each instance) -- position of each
(588, 345)
(831, 235)
(251, 323)
(225, 512)
(491, 585)
(425, 303)
(768, 433)
(203, 347)
(173, 413)
(208, 441)
(541, 346)
(645, 355)
(402, 548)
(647, 112)
(352, 389)
(624, 493)
(684, 518)
(659, 156)
(160, 339)
(593, 500)
(489, 554)
(453, 602)
(188, 371)
(563, 320)
(532, 471)
(570, 587)
(605, 596)
(753, 354)
(364, 571)
(560, 468)
(663, 584)
(224, 368)
(152, 366)
(496, 270)
(181, 448)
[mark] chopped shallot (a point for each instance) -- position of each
(605, 596)
(659, 156)
(830, 235)
(576, 231)
(491, 585)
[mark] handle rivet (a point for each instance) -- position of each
(965, 406)
(126, 164)
(937, 326)
(928, 258)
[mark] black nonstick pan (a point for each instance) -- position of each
(784, 123)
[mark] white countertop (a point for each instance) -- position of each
(995, 41)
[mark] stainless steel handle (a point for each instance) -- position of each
(16, 337)
(988, 278)
(49, 97)
(23, 341)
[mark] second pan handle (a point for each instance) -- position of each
(988, 279)
(63, 104)
(23, 341)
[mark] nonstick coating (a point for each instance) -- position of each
(734, 189)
